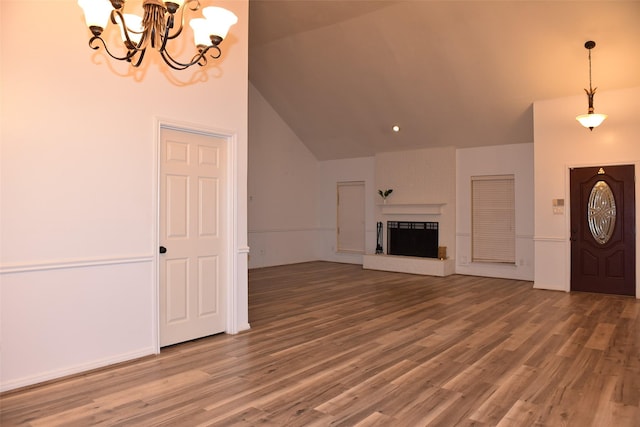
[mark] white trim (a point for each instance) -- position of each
(76, 369)
(550, 239)
(412, 208)
(155, 236)
(73, 263)
(287, 230)
(518, 236)
(232, 236)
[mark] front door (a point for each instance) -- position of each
(603, 229)
(192, 236)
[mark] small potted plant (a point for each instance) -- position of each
(384, 194)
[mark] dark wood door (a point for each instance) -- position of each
(603, 230)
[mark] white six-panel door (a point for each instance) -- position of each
(192, 229)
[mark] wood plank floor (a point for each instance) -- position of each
(332, 344)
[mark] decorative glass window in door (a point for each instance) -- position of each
(601, 212)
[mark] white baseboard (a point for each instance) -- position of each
(76, 369)
(244, 327)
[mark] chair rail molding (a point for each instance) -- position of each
(74, 263)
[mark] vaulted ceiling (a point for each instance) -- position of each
(449, 73)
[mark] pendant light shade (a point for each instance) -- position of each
(591, 120)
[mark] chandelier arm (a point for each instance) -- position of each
(104, 44)
(202, 55)
(217, 48)
(170, 25)
(115, 13)
(131, 46)
(171, 20)
(172, 62)
(193, 8)
(199, 59)
(140, 57)
(166, 37)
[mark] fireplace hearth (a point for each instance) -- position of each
(412, 238)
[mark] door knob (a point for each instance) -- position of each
(163, 249)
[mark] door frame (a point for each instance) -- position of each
(567, 216)
(231, 207)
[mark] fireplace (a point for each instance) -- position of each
(410, 238)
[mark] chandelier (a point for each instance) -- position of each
(591, 119)
(161, 22)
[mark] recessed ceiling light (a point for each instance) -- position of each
(396, 128)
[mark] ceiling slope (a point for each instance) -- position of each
(449, 73)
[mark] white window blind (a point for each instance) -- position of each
(493, 219)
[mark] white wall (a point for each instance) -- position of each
(516, 159)
(79, 188)
(282, 185)
(561, 143)
(292, 196)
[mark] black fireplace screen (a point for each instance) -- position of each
(412, 238)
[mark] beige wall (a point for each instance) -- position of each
(78, 211)
(560, 144)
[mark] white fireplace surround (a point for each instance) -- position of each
(410, 264)
(424, 189)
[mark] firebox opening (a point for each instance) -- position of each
(412, 238)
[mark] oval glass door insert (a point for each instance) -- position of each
(601, 212)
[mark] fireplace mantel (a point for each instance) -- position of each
(412, 208)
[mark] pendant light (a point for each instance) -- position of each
(591, 119)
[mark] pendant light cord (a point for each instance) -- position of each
(590, 87)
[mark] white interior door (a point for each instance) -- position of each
(351, 227)
(192, 231)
